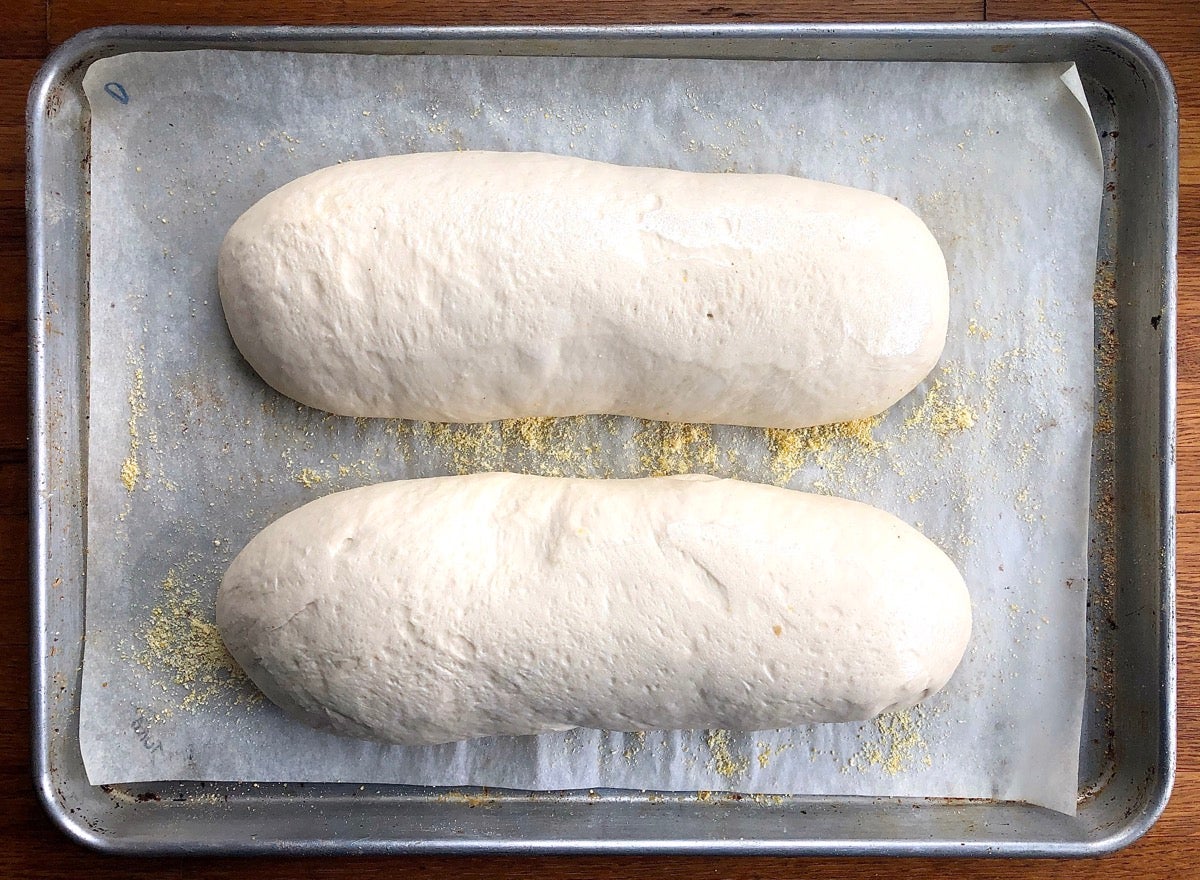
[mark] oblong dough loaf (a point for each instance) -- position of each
(475, 286)
(433, 610)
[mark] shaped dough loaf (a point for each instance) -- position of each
(432, 610)
(475, 286)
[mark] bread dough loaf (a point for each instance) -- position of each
(474, 286)
(432, 610)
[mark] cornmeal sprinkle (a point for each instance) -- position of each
(130, 469)
(183, 649)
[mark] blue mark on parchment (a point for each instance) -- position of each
(117, 91)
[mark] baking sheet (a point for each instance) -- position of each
(190, 454)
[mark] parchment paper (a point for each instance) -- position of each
(190, 454)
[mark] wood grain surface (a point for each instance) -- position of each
(29, 29)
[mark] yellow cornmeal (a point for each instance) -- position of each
(898, 746)
(579, 445)
(958, 416)
(553, 447)
(973, 329)
(675, 448)
(557, 447)
(724, 761)
(130, 469)
(790, 449)
(539, 433)
(941, 414)
(308, 478)
(766, 752)
(182, 649)
(471, 448)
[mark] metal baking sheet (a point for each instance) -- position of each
(190, 454)
(1106, 558)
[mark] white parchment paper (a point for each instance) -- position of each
(190, 454)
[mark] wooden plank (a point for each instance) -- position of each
(14, 494)
(1189, 223)
(14, 578)
(15, 79)
(1185, 70)
(1188, 271)
(14, 679)
(23, 29)
(1188, 345)
(67, 17)
(16, 75)
(12, 157)
(1187, 427)
(14, 498)
(1188, 636)
(13, 265)
(12, 230)
(1168, 25)
(14, 401)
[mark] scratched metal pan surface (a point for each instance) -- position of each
(1127, 751)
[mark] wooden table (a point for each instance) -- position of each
(30, 28)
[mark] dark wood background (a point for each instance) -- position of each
(30, 28)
